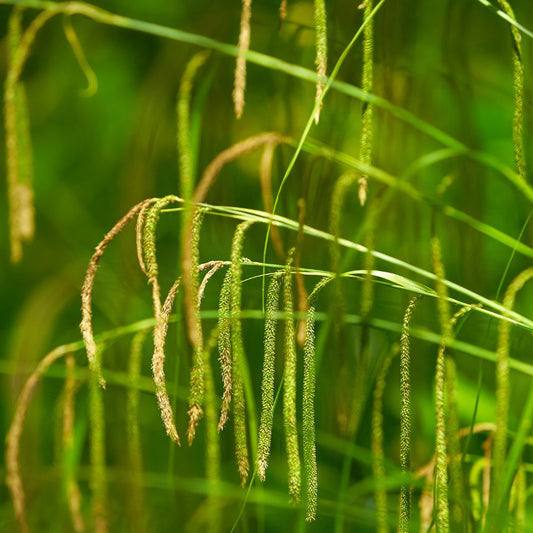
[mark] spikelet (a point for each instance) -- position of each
(197, 378)
(503, 389)
(289, 388)
(237, 352)
(267, 386)
(405, 417)
(87, 290)
(98, 482)
(518, 87)
(72, 38)
(18, 142)
(365, 152)
(13, 479)
(132, 416)
(72, 488)
(240, 69)
(441, 452)
(378, 456)
(321, 61)
(224, 348)
(161, 313)
(308, 407)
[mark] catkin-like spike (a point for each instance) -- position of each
(503, 390)
(365, 152)
(13, 479)
(158, 362)
(289, 388)
(197, 379)
(185, 158)
(240, 68)
(87, 290)
(200, 193)
(441, 448)
(405, 416)
(265, 175)
(321, 61)
(224, 348)
(267, 386)
(237, 352)
(132, 417)
(72, 488)
(98, 482)
(72, 38)
(308, 403)
(18, 141)
(378, 456)
(518, 86)
(161, 314)
(441, 462)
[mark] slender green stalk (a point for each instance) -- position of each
(79, 54)
(405, 417)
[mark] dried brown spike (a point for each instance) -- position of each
(13, 479)
(87, 289)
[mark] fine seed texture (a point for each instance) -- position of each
(267, 386)
(239, 85)
(405, 416)
(290, 388)
(321, 61)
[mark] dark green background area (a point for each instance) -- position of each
(446, 61)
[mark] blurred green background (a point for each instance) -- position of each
(446, 61)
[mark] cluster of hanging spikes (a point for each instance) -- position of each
(231, 348)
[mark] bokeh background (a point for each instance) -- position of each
(446, 61)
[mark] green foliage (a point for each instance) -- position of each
(435, 139)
